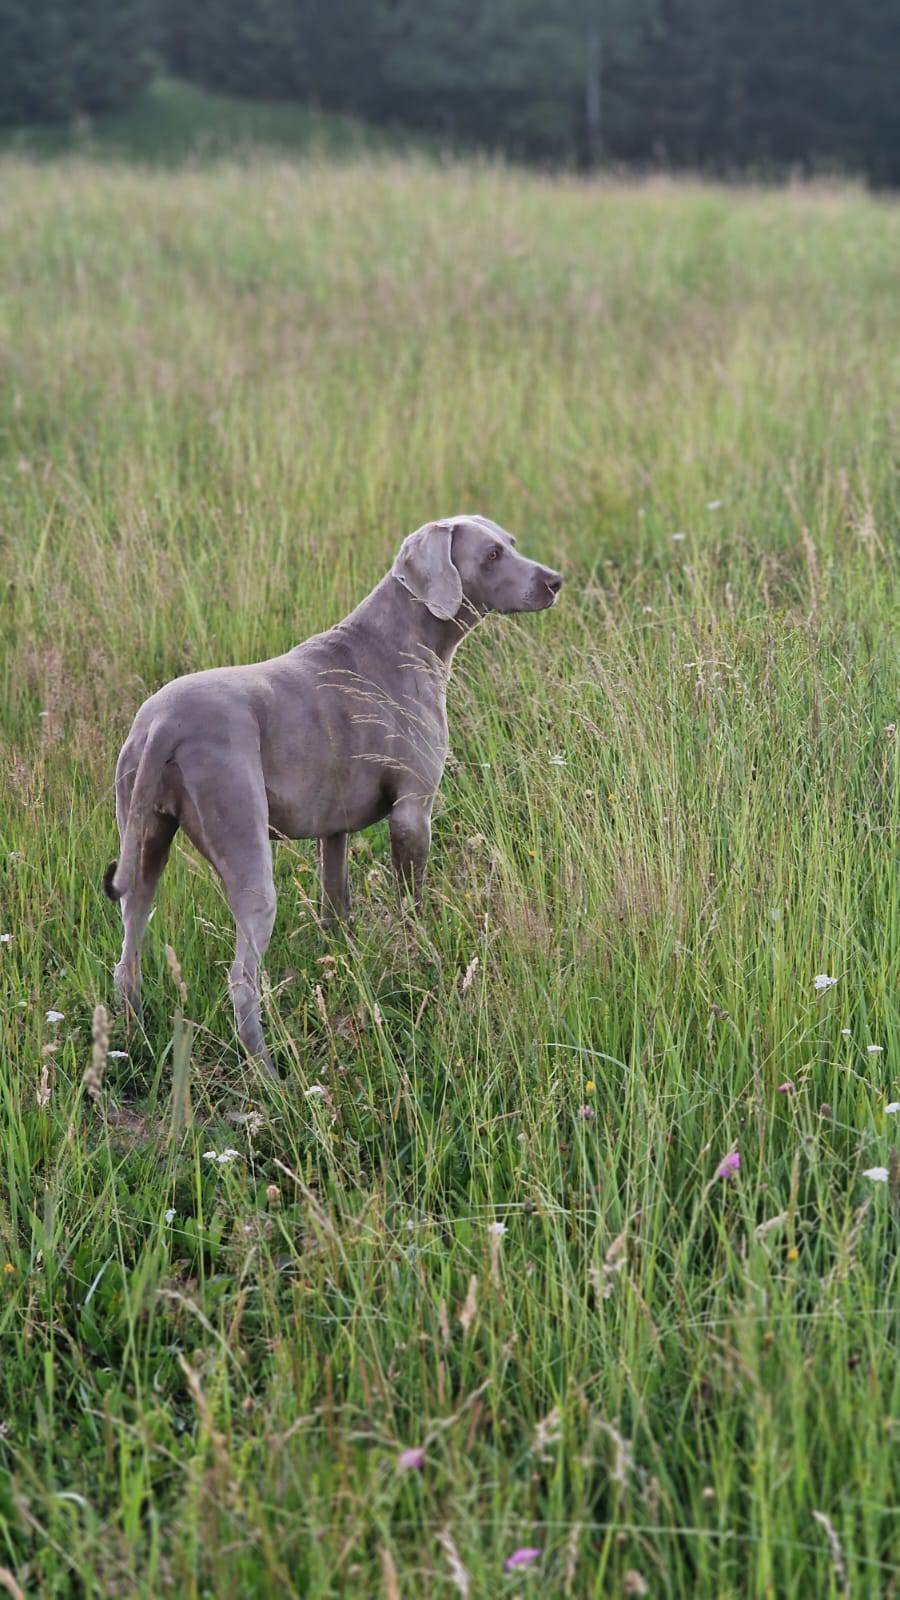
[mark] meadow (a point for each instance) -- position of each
(474, 1279)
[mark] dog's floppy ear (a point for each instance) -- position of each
(424, 566)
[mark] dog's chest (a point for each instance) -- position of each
(340, 785)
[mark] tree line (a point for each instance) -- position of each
(715, 84)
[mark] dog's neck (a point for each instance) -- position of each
(409, 625)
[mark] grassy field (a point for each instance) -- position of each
(497, 1234)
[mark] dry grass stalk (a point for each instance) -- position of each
(45, 1087)
(8, 1582)
(459, 1577)
(174, 966)
(467, 1314)
(93, 1077)
(389, 1574)
(837, 1554)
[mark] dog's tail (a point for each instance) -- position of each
(119, 876)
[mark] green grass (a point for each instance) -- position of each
(228, 394)
(173, 122)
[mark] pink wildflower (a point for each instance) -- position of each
(586, 1113)
(730, 1165)
(521, 1558)
(413, 1457)
(786, 1087)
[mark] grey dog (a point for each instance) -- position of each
(343, 730)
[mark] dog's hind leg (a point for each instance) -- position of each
(136, 906)
(252, 903)
(226, 815)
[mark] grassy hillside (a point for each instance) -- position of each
(498, 1232)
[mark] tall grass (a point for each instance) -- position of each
(228, 395)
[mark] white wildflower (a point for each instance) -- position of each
(251, 1120)
(877, 1174)
(547, 1433)
(227, 1156)
(892, 1108)
(845, 1033)
(823, 982)
(5, 938)
(315, 1088)
(874, 1049)
(713, 505)
(170, 1214)
(117, 1055)
(209, 1155)
(678, 537)
(557, 761)
(497, 1228)
(55, 1016)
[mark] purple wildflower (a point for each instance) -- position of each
(413, 1457)
(730, 1165)
(786, 1087)
(521, 1558)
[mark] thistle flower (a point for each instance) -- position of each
(786, 1087)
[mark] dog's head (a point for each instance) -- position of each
(471, 563)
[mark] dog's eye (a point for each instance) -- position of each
(495, 552)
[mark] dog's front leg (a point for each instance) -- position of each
(410, 825)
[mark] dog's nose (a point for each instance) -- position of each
(554, 581)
